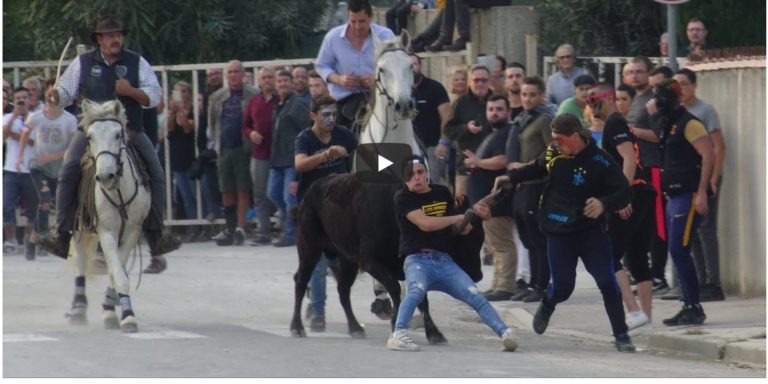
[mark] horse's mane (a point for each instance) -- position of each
(111, 109)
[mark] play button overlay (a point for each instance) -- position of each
(384, 163)
(381, 163)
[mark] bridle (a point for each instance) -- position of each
(391, 104)
(121, 204)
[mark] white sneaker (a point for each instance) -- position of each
(400, 341)
(224, 234)
(10, 247)
(636, 319)
(509, 340)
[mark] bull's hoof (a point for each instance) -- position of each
(110, 320)
(129, 325)
(357, 334)
(437, 339)
(300, 332)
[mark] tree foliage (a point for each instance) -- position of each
(166, 32)
(633, 27)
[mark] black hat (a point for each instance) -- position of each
(584, 80)
(108, 24)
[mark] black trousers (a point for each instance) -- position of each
(526, 208)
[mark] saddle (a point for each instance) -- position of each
(86, 217)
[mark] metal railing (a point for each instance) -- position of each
(164, 73)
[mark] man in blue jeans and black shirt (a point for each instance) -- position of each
(426, 216)
(584, 183)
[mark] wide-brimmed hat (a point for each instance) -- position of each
(108, 24)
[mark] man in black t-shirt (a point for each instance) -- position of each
(630, 228)
(434, 108)
(485, 164)
(426, 216)
(321, 150)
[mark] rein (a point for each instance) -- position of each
(390, 101)
(121, 204)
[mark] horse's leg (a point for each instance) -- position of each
(345, 277)
(114, 257)
(309, 255)
(433, 334)
(78, 312)
(381, 273)
(108, 308)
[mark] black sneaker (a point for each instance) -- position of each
(382, 308)
(56, 243)
(660, 287)
(541, 318)
(521, 284)
(521, 295)
(711, 293)
(238, 238)
(261, 240)
(534, 296)
(689, 315)
(498, 295)
(438, 45)
(624, 343)
(224, 238)
(285, 242)
(459, 45)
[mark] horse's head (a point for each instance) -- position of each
(394, 74)
(104, 125)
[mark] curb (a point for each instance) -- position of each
(745, 345)
(734, 345)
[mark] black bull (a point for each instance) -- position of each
(355, 222)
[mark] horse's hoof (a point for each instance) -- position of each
(298, 333)
(128, 325)
(357, 334)
(437, 339)
(77, 318)
(110, 320)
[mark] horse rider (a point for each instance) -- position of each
(347, 60)
(106, 73)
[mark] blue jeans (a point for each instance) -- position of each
(279, 193)
(15, 187)
(436, 271)
(186, 188)
(682, 221)
(211, 203)
(317, 285)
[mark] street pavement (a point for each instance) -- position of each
(225, 312)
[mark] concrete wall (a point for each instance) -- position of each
(496, 30)
(737, 91)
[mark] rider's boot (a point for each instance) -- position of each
(159, 239)
(56, 242)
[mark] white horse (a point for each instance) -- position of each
(389, 120)
(121, 205)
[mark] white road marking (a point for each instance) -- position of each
(283, 331)
(163, 334)
(25, 337)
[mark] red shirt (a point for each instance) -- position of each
(258, 117)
